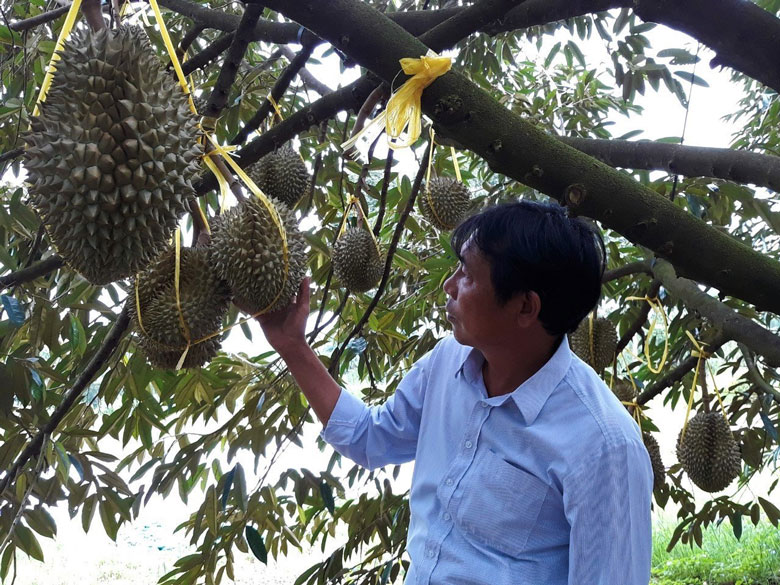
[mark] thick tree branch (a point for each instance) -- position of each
(712, 344)
(515, 148)
(334, 361)
(33, 21)
(277, 91)
(235, 54)
(734, 326)
(691, 161)
(208, 54)
(31, 272)
(99, 359)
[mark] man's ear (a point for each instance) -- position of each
(527, 308)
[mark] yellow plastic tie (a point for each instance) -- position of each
(365, 223)
(657, 306)
(172, 54)
(403, 108)
(67, 26)
(591, 342)
(428, 178)
(138, 306)
(268, 205)
(277, 111)
(224, 188)
(455, 164)
(176, 287)
(700, 354)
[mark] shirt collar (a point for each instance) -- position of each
(532, 394)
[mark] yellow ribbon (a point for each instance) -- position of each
(354, 202)
(403, 108)
(277, 111)
(656, 305)
(700, 354)
(67, 26)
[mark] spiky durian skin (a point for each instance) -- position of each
(204, 299)
(659, 471)
(247, 252)
(356, 262)
(281, 175)
(604, 342)
(708, 452)
(624, 390)
(112, 154)
(444, 202)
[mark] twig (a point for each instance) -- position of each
(101, 356)
(306, 76)
(211, 52)
(627, 270)
(756, 374)
(317, 167)
(11, 154)
(277, 91)
(94, 14)
(637, 325)
(33, 21)
(383, 193)
(188, 39)
(31, 272)
(388, 263)
(235, 54)
(677, 373)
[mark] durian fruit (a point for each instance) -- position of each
(624, 390)
(247, 252)
(112, 155)
(708, 452)
(659, 471)
(444, 202)
(604, 342)
(356, 261)
(204, 301)
(281, 175)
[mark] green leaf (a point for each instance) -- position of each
(256, 544)
(327, 496)
(8, 554)
(14, 310)
(78, 338)
(27, 542)
(386, 573)
(226, 487)
(240, 487)
(691, 78)
(736, 524)
(771, 510)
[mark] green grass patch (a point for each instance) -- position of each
(754, 559)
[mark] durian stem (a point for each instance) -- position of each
(99, 359)
(334, 364)
(94, 14)
(705, 395)
(641, 319)
(235, 186)
(31, 272)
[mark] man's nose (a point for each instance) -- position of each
(448, 286)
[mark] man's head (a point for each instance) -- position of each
(529, 247)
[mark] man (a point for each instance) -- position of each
(528, 470)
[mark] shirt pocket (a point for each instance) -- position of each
(499, 504)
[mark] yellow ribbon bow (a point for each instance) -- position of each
(403, 107)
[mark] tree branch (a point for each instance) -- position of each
(31, 272)
(733, 325)
(208, 54)
(691, 161)
(33, 21)
(677, 374)
(627, 270)
(334, 362)
(99, 359)
(11, 154)
(755, 374)
(277, 91)
(517, 149)
(306, 76)
(235, 54)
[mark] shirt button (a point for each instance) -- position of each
(430, 553)
(448, 481)
(485, 405)
(447, 517)
(468, 444)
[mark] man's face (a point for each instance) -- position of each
(477, 318)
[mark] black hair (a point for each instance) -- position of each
(537, 247)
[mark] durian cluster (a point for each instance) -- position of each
(111, 160)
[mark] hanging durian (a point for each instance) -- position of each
(604, 342)
(444, 202)
(624, 390)
(247, 252)
(112, 154)
(708, 452)
(356, 261)
(281, 175)
(163, 330)
(659, 471)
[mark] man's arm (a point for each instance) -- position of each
(285, 331)
(607, 503)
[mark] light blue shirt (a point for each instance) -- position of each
(548, 485)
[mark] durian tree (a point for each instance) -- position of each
(696, 228)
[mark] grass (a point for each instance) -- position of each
(722, 560)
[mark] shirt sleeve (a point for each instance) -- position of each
(607, 504)
(379, 435)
